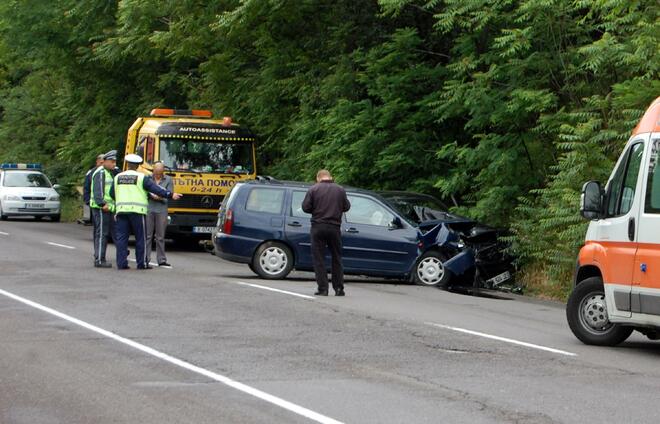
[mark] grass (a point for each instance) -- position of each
(71, 208)
(539, 284)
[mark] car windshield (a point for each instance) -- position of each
(25, 179)
(415, 207)
(206, 156)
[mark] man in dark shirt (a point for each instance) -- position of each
(326, 201)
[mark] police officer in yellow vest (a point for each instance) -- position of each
(103, 207)
(130, 190)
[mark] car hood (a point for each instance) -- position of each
(29, 191)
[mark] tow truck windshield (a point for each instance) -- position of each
(204, 156)
(25, 179)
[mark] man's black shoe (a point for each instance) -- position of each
(164, 264)
(340, 293)
(103, 264)
(321, 293)
(148, 267)
(123, 268)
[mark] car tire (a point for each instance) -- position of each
(3, 217)
(586, 313)
(56, 218)
(38, 218)
(430, 271)
(272, 261)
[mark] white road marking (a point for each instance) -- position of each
(60, 245)
(2, 233)
(297, 409)
(502, 339)
(304, 296)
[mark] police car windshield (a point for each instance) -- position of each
(25, 179)
(206, 156)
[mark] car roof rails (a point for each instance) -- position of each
(267, 179)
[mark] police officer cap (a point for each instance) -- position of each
(111, 155)
(133, 158)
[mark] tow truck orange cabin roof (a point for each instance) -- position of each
(650, 122)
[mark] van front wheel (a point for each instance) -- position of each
(272, 261)
(587, 317)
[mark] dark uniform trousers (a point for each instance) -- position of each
(128, 223)
(327, 235)
(103, 228)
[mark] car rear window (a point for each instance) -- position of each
(266, 200)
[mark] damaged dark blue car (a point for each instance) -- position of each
(398, 235)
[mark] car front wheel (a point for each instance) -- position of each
(586, 312)
(2, 216)
(430, 270)
(272, 261)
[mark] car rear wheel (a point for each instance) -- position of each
(272, 261)
(586, 312)
(430, 270)
(56, 218)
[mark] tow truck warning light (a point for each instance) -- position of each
(20, 166)
(197, 113)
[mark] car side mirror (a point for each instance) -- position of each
(395, 224)
(56, 186)
(591, 200)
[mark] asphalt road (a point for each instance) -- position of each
(207, 342)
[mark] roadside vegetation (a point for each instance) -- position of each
(507, 105)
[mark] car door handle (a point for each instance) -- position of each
(352, 230)
(294, 224)
(631, 229)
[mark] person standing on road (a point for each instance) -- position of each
(326, 201)
(157, 215)
(130, 190)
(102, 207)
(87, 187)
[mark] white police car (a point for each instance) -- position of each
(26, 191)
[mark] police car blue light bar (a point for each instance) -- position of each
(20, 166)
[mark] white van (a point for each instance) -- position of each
(617, 279)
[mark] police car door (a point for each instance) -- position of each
(371, 243)
(297, 229)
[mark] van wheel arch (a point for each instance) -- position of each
(587, 271)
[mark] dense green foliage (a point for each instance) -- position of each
(508, 105)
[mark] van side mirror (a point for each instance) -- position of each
(591, 200)
(395, 224)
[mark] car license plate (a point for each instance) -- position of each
(500, 278)
(202, 229)
(34, 205)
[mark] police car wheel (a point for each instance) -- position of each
(272, 261)
(56, 218)
(587, 317)
(430, 270)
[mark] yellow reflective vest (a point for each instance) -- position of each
(130, 195)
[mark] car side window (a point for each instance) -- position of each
(621, 191)
(266, 200)
(367, 211)
(297, 198)
(652, 201)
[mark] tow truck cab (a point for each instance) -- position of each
(204, 157)
(617, 277)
